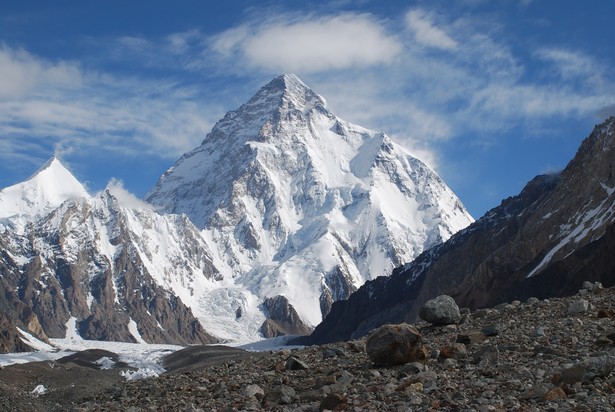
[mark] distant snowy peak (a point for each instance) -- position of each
(45, 190)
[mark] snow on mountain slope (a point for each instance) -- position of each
(45, 190)
(121, 270)
(282, 210)
(294, 201)
(557, 233)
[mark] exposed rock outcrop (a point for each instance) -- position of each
(282, 319)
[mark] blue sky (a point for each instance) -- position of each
(489, 93)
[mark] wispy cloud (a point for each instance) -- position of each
(427, 33)
(60, 104)
(426, 77)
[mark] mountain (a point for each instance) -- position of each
(42, 192)
(299, 208)
(283, 209)
(558, 232)
(77, 264)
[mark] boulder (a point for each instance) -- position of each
(281, 395)
(578, 306)
(440, 311)
(395, 345)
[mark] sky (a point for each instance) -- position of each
(489, 93)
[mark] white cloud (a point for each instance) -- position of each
(401, 84)
(20, 72)
(427, 33)
(58, 104)
(125, 198)
(311, 44)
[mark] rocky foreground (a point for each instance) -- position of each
(555, 354)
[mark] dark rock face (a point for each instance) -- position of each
(282, 319)
(9, 336)
(546, 241)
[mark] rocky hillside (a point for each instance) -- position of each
(543, 242)
(536, 355)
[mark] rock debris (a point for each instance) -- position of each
(523, 356)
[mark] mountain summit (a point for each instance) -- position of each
(45, 190)
(300, 208)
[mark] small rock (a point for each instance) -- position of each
(395, 345)
(486, 354)
(332, 402)
(281, 394)
(471, 338)
(254, 391)
(295, 364)
(440, 311)
(492, 329)
(531, 301)
(455, 351)
(555, 394)
(578, 306)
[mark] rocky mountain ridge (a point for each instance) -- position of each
(89, 266)
(557, 233)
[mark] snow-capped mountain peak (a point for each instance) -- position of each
(282, 209)
(46, 189)
(296, 202)
(292, 92)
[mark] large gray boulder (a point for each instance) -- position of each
(395, 345)
(440, 311)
